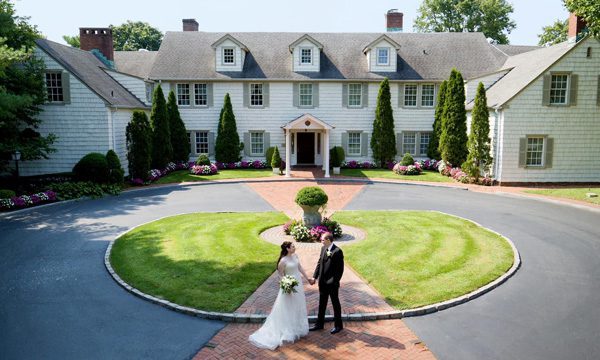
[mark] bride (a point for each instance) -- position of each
(288, 320)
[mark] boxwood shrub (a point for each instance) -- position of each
(311, 196)
(92, 167)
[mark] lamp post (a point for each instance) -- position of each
(16, 156)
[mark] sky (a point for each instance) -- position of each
(56, 18)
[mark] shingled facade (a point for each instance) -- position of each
(308, 92)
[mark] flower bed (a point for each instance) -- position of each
(256, 164)
(156, 174)
(457, 174)
(204, 169)
(23, 201)
(302, 233)
(353, 164)
(408, 170)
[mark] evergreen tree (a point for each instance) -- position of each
(227, 145)
(276, 159)
(433, 150)
(116, 172)
(180, 141)
(162, 151)
(479, 138)
(453, 141)
(139, 145)
(383, 139)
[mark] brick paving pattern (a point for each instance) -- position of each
(389, 339)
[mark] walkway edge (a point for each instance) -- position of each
(255, 318)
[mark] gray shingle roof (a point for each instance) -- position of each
(512, 50)
(188, 56)
(86, 67)
(137, 63)
(525, 68)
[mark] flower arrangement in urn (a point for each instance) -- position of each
(311, 199)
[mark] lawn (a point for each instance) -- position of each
(432, 176)
(415, 258)
(570, 193)
(207, 261)
(185, 176)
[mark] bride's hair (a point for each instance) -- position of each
(284, 251)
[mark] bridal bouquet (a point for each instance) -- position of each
(288, 284)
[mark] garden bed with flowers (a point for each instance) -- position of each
(217, 171)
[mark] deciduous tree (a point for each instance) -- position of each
(589, 10)
(554, 34)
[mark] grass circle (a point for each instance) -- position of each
(215, 261)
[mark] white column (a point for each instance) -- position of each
(288, 151)
(322, 150)
(326, 152)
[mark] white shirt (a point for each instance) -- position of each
(330, 247)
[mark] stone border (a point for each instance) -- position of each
(350, 235)
(255, 318)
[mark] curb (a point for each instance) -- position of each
(255, 318)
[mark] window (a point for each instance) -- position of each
(354, 143)
(383, 56)
(409, 142)
(256, 94)
(228, 56)
(410, 95)
(201, 142)
(257, 143)
(535, 151)
(149, 92)
(54, 87)
(427, 95)
(354, 94)
(558, 89)
(306, 56)
(183, 94)
(200, 95)
(424, 143)
(306, 95)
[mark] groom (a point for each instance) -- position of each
(329, 273)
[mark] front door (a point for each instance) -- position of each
(306, 147)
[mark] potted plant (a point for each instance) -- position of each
(311, 199)
(336, 156)
(276, 161)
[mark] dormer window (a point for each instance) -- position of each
(306, 56)
(228, 56)
(383, 56)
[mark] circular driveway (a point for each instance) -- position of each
(58, 301)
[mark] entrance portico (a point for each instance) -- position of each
(306, 148)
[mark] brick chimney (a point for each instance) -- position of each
(394, 20)
(190, 25)
(576, 26)
(97, 38)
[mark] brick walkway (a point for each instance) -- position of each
(390, 339)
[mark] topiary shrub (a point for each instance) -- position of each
(336, 156)
(269, 155)
(311, 196)
(203, 160)
(116, 172)
(6, 194)
(276, 159)
(407, 160)
(92, 167)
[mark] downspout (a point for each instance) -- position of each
(111, 128)
(497, 144)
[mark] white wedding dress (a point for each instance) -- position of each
(288, 320)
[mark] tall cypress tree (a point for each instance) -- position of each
(227, 145)
(383, 139)
(162, 151)
(453, 142)
(139, 145)
(479, 138)
(433, 150)
(180, 141)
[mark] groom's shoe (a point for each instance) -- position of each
(335, 330)
(316, 327)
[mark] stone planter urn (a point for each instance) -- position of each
(276, 171)
(311, 199)
(311, 215)
(336, 170)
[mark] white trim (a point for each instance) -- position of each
(232, 48)
(311, 55)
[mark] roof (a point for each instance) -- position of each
(137, 63)
(512, 50)
(524, 69)
(89, 70)
(379, 39)
(187, 55)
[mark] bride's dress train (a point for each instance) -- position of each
(288, 320)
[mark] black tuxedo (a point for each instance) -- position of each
(329, 272)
